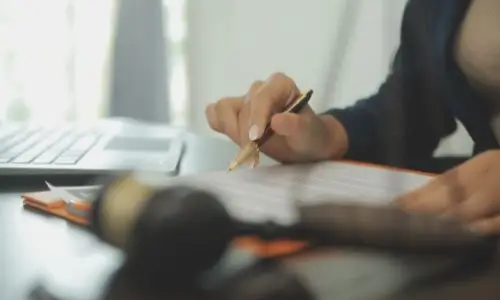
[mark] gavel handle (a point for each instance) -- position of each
(388, 228)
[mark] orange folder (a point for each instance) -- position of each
(45, 201)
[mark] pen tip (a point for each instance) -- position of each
(232, 166)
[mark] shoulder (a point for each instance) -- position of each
(428, 31)
(432, 23)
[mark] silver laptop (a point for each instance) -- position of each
(103, 148)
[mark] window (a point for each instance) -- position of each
(54, 59)
(176, 29)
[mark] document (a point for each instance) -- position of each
(64, 201)
(76, 193)
(272, 192)
(267, 193)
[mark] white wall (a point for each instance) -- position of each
(234, 42)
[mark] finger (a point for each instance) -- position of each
(439, 194)
(437, 199)
(488, 226)
(211, 116)
(479, 206)
(227, 111)
(244, 117)
(272, 96)
(412, 198)
(254, 88)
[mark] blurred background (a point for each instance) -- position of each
(163, 61)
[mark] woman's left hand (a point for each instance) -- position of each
(470, 193)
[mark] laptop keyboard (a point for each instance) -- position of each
(49, 146)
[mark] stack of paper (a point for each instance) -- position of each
(71, 203)
(261, 194)
(271, 192)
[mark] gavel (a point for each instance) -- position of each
(177, 233)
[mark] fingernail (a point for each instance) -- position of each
(253, 133)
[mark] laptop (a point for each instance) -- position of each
(101, 148)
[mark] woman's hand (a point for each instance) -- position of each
(298, 137)
(469, 193)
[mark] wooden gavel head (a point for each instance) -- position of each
(174, 234)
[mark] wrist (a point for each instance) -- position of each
(336, 139)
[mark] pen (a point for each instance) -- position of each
(252, 149)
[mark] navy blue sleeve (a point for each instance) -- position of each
(404, 121)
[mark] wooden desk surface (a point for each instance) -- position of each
(38, 249)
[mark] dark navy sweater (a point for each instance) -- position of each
(422, 98)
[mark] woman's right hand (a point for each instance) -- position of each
(298, 137)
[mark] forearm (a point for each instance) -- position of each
(368, 131)
(337, 142)
(359, 130)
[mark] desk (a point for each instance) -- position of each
(36, 248)
(32, 245)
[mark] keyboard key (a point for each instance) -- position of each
(69, 157)
(23, 146)
(66, 161)
(46, 158)
(4, 160)
(73, 153)
(15, 140)
(32, 153)
(54, 150)
(63, 143)
(46, 147)
(84, 143)
(23, 159)
(7, 156)
(76, 151)
(8, 135)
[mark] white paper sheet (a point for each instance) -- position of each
(270, 192)
(73, 193)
